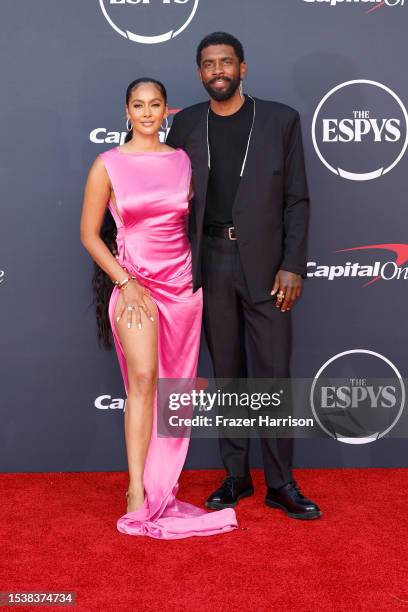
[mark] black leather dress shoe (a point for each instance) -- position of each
(289, 499)
(230, 492)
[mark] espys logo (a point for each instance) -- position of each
(388, 270)
(360, 130)
(149, 21)
(377, 3)
(357, 396)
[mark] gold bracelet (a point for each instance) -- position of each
(122, 283)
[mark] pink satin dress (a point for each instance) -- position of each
(151, 192)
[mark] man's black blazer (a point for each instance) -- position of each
(271, 208)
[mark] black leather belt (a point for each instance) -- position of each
(220, 231)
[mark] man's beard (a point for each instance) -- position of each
(226, 94)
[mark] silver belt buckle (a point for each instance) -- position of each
(231, 230)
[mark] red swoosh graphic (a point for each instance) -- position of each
(400, 250)
(376, 7)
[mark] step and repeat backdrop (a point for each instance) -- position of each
(66, 65)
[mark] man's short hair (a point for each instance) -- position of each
(220, 38)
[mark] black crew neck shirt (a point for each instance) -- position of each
(228, 138)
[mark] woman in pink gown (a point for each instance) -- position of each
(152, 311)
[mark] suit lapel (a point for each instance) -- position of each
(198, 152)
(246, 183)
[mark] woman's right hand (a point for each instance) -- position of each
(132, 299)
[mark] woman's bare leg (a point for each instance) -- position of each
(140, 349)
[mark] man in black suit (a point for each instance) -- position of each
(248, 233)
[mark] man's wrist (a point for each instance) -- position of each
(294, 268)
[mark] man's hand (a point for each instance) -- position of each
(289, 287)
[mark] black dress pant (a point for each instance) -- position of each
(244, 339)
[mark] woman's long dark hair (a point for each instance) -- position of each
(102, 285)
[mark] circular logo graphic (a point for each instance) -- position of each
(149, 21)
(357, 396)
(360, 130)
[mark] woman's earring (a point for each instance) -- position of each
(128, 123)
(166, 126)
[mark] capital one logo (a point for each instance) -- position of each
(377, 3)
(103, 135)
(391, 269)
(107, 402)
(149, 21)
(357, 396)
(360, 130)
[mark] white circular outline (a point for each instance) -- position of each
(355, 176)
(373, 354)
(148, 39)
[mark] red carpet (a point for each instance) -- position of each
(58, 531)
